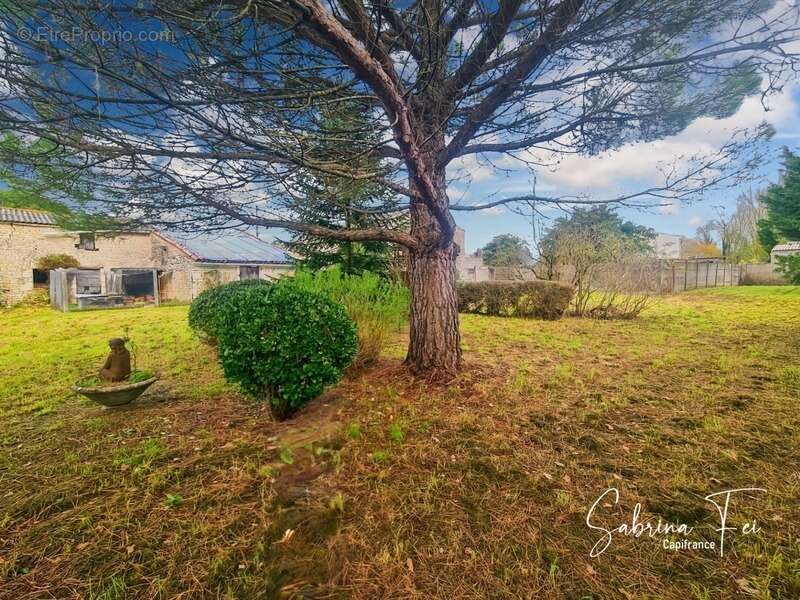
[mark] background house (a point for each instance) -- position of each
(123, 262)
(787, 249)
(29, 235)
(667, 245)
(471, 267)
(193, 262)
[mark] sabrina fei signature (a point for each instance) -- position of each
(638, 527)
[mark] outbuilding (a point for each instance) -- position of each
(787, 249)
(123, 262)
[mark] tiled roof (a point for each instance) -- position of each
(788, 246)
(229, 246)
(25, 215)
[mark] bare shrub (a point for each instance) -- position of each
(37, 297)
(614, 305)
(609, 272)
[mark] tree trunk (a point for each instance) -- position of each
(434, 347)
(435, 344)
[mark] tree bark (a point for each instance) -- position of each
(435, 344)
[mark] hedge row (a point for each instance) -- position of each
(537, 299)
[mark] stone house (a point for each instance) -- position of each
(185, 264)
(787, 249)
(190, 263)
(470, 267)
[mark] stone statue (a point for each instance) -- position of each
(118, 363)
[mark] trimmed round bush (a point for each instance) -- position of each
(206, 310)
(284, 344)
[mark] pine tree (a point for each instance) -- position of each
(783, 214)
(342, 202)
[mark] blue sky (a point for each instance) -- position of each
(631, 167)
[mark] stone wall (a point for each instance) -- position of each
(22, 245)
(175, 283)
(181, 277)
(184, 278)
(202, 276)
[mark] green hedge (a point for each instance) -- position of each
(207, 309)
(282, 343)
(537, 299)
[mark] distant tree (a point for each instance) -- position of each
(782, 202)
(597, 222)
(723, 226)
(507, 250)
(546, 265)
(790, 266)
(603, 218)
(745, 243)
(737, 234)
(768, 237)
(699, 248)
(705, 233)
(352, 257)
(782, 221)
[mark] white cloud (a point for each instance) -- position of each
(494, 211)
(466, 37)
(669, 208)
(528, 187)
(640, 162)
(695, 221)
(470, 167)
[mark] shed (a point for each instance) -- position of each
(786, 249)
(193, 262)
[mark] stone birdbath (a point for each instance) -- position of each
(116, 384)
(112, 395)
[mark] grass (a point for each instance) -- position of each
(388, 487)
(97, 381)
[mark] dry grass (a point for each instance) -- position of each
(391, 488)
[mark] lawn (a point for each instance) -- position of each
(391, 487)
